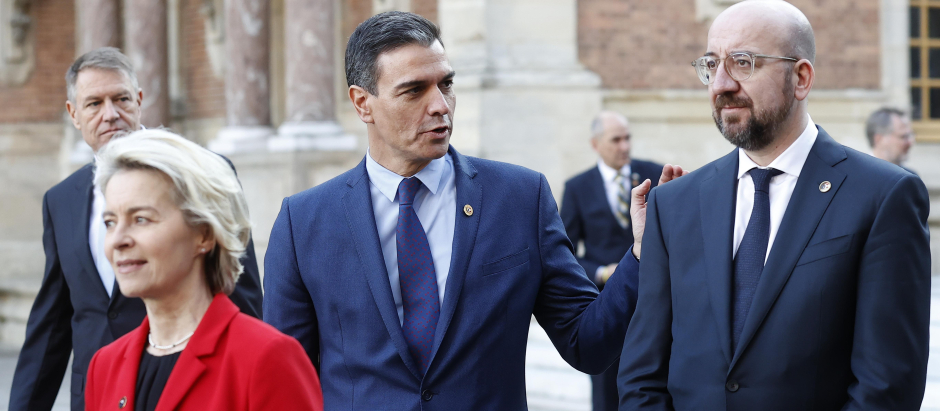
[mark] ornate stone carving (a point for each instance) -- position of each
(213, 16)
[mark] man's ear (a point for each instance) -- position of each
(362, 100)
(73, 111)
(140, 97)
(805, 75)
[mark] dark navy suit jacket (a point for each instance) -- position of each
(326, 285)
(588, 217)
(72, 311)
(839, 320)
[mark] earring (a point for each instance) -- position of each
(202, 250)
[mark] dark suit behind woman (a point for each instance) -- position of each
(177, 226)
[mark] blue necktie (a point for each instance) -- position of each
(417, 277)
(749, 262)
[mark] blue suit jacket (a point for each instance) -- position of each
(588, 217)
(72, 311)
(326, 285)
(839, 320)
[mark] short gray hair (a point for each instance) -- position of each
(205, 188)
(880, 122)
(597, 125)
(107, 58)
(382, 33)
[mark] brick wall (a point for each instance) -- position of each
(425, 8)
(641, 44)
(42, 98)
(205, 93)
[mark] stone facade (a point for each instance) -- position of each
(531, 74)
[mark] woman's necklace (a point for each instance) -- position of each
(167, 347)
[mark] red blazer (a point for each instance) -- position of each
(233, 362)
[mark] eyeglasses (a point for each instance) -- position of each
(740, 65)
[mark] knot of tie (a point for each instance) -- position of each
(762, 178)
(407, 190)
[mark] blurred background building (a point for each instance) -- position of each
(262, 82)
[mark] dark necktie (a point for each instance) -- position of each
(416, 276)
(749, 261)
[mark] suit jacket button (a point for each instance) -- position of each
(427, 395)
(732, 386)
(112, 314)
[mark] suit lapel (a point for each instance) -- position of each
(204, 343)
(806, 208)
(84, 188)
(717, 200)
(598, 190)
(360, 219)
(465, 234)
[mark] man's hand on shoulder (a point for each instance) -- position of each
(638, 203)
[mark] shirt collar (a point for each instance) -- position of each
(792, 159)
(608, 173)
(387, 181)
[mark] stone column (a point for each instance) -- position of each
(247, 78)
(522, 95)
(98, 25)
(310, 121)
(145, 42)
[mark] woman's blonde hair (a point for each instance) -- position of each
(205, 188)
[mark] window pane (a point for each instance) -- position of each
(934, 102)
(917, 103)
(934, 63)
(933, 22)
(915, 62)
(915, 22)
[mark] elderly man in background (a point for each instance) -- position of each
(790, 274)
(79, 307)
(890, 135)
(596, 211)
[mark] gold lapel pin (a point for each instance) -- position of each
(468, 210)
(123, 402)
(824, 186)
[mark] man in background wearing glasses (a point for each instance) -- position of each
(890, 135)
(791, 274)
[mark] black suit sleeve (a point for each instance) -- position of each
(45, 354)
(247, 295)
(892, 314)
(572, 217)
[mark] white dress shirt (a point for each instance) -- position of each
(790, 162)
(96, 232)
(436, 206)
(608, 174)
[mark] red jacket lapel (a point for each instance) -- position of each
(204, 342)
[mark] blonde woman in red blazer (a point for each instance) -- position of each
(176, 226)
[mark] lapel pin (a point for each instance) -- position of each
(123, 402)
(824, 186)
(468, 210)
(635, 177)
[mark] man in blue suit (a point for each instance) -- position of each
(791, 274)
(411, 279)
(79, 307)
(596, 210)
